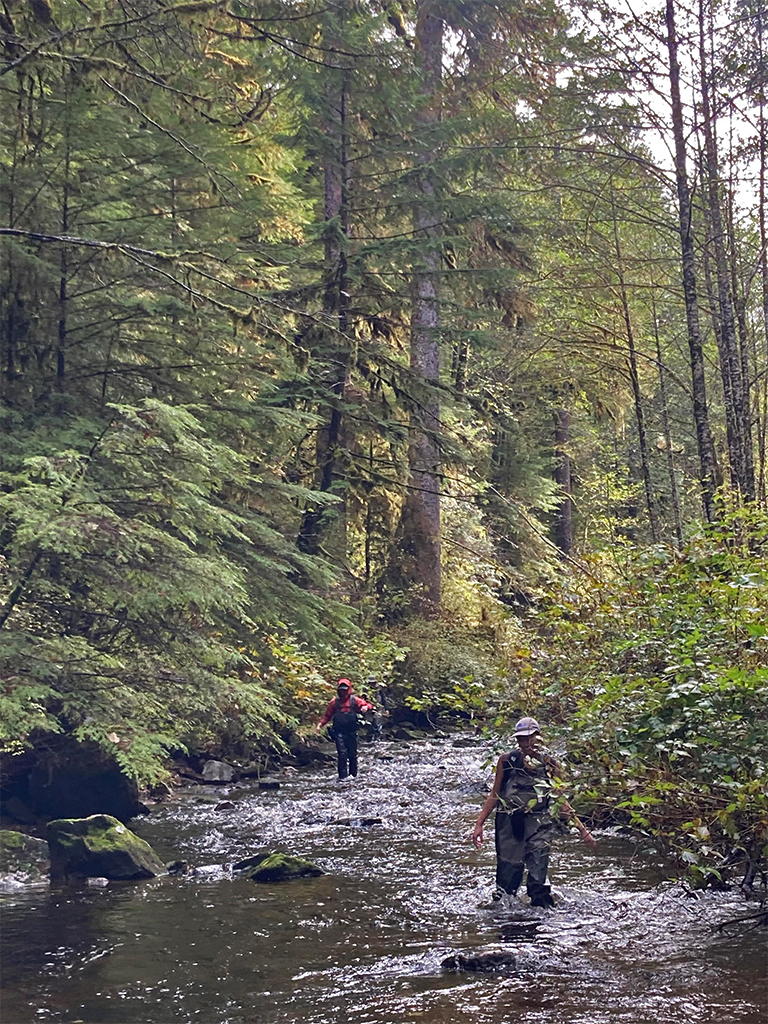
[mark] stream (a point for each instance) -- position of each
(364, 942)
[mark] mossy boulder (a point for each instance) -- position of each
(100, 846)
(22, 854)
(280, 867)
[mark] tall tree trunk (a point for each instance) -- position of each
(706, 449)
(635, 381)
(420, 522)
(321, 524)
(564, 513)
(762, 203)
(665, 426)
(737, 401)
(61, 339)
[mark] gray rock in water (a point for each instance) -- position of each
(178, 867)
(281, 867)
(357, 822)
(22, 854)
(485, 961)
(224, 805)
(99, 846)
(269, 785)
(251, 862)
(468, 741)
(218, 771)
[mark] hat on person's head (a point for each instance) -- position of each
(344, 683)
(527, 727)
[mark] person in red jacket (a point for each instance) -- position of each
(343, 712)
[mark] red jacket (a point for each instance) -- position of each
(360, 707)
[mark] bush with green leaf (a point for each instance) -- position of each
(655, 665)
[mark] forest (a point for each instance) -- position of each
(416, 341)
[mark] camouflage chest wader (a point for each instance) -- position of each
(345, 735)
(524, 829)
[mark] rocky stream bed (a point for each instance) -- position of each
(393, 931)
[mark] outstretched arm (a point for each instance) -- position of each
(489, 806)
(568, 813)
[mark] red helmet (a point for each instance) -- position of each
(344, 683)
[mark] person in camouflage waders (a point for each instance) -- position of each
(524, 827)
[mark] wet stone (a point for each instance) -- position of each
(269, 785)
(251, 862)
(218, 771)
(357, 822)
(224, 805)
(483, 961)
(99, 846)
(23, 854)
(177, 867)
(519, 931)
(281, 867)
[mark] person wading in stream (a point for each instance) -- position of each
(343, 712)
(524, 827)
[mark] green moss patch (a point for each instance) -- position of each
(99, 845)
(280, 867)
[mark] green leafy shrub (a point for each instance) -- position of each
(656, 667)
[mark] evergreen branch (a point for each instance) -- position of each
(168, 132)
(16, 594)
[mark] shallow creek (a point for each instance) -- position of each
(364, 942)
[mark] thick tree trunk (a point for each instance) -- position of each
(419, 532)
(327, 525)
(674, 498)
(762, 490)
(706, 450)
(735, 387)
(635, 381)
(564, 514)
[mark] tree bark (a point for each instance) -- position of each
(706, 450)
(328, 524)
(419, 532)
(564, 520)
(666, 428)
(734, 386)
(635, 381)
(762, 202)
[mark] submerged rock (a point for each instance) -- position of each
(269, 785)
(485, 961)
(24, 855)
(99, 846)
(281, 867)
(224, 805)
(357, 822)
(218, 771)
(177, 867)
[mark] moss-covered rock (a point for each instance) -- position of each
(281, 867)
(22, 854)
(99, 846)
